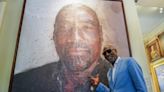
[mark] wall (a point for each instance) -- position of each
(154, 32)
(2, 8)
(136, 39)
(8, 33)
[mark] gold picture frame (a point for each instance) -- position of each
(161, 42)
(153, 50)
(157, 70)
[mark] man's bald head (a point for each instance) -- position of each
(77, 35)
(72, 11)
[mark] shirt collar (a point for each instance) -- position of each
(118, 58)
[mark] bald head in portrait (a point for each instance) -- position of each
(77, 36)
(78, 40)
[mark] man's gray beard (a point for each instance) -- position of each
(74, 63)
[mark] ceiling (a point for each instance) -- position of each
(149, 14)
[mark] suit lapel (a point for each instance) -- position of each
(116, 71)
(110, 78)
(110, 75)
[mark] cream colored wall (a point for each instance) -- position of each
(2, 8)
(154, 32)
(8, 34)
(136, 39)
(10, 25)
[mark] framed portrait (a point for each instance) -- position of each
(161, 42)
(60, 44)
(158, 76)
(153, 50)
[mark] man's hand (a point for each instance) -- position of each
(95, 80)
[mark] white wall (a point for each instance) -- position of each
(2, 8)
(8, 36)
(136, 39)
(154, 32)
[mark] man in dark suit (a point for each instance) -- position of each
(125, 75)
(78, 40)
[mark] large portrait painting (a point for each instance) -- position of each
(61, 41)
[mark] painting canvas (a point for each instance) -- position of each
(153, 50)
(160, 76)
(61, 41)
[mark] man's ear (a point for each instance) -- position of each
(101, 33)
(54, 37)
(101, 39)
(54, 33)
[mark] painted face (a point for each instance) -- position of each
(77, 37)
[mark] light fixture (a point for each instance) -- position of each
(135, 1)
(160, 10)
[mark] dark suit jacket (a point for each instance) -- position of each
(50, 78)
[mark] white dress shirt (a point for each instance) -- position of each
(114, 68)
